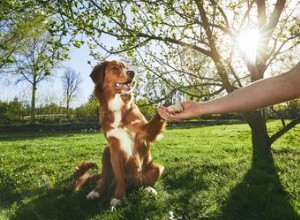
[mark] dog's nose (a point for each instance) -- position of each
(130, 73)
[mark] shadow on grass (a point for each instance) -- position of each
(57, 203)
(60, 203)
(183, 187)
(260, 195)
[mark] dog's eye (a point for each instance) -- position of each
(114, 68)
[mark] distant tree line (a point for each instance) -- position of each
(17, 113)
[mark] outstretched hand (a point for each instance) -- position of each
(185, 110)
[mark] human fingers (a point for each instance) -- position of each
(164, 113)
(169, 116)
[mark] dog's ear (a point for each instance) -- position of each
(98, 73)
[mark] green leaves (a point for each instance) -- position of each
(78, 43)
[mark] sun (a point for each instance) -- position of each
(247, 42)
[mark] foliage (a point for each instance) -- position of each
(16, 112)
(11, 36)
(50, 109)
(88, 112)
(293, 107)
(189, 45)
(288, 110)
(146, 109)
(208, 175)
(12, 112)
(20, 23)
(42, 54)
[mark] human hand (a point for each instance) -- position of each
(185, 110)
(175, 108)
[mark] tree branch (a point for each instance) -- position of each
(215, 54)
(285, 129)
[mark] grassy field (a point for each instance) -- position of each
(210, 174)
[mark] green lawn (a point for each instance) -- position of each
(209, 174)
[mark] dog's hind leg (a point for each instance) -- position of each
(83, 177)
(150, 174)
(106, 176)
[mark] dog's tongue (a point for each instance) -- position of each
(123, 86)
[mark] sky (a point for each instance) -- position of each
(79, 62)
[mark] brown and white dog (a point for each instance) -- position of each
(126, 162)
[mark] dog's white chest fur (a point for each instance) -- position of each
(116, 103)
(125, 138)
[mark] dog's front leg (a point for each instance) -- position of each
(153, 128)
(118, 169)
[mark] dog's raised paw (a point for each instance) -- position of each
(151, 191)
(93, 195)
(175, 108)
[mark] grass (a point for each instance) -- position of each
(210, 174)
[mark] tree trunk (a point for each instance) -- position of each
(68, 106)
(33, 95)
(260, 139)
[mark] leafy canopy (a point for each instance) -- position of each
(190, 45)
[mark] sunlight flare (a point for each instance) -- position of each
(247, 42)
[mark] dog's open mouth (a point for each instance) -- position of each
(124, 86)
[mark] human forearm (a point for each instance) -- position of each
(257, 95)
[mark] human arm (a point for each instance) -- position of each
(256, 95)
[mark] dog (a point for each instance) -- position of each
(126, 162)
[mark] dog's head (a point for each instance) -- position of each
(113, 76)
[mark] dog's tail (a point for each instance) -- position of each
(83, 177)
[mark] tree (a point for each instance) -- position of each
(192, 45)
(41, 54)
(25, 34)
(71, 82)
(11, 35)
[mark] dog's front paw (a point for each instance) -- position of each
(151, 191)
(114, 202)
(93, 195)
(175, 108)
